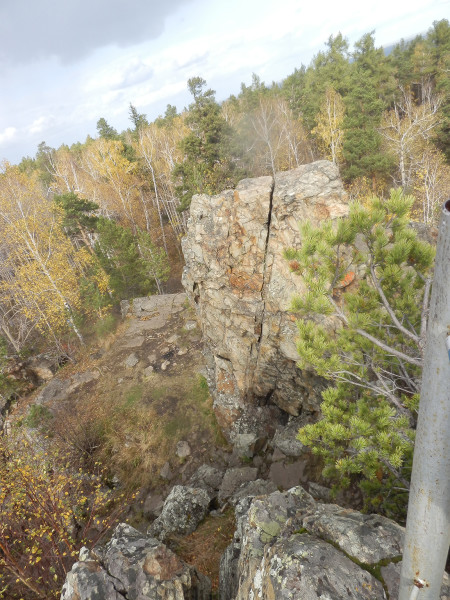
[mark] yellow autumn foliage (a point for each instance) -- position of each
(46, 267)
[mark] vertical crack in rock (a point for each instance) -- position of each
(241, 288)
(267, 271)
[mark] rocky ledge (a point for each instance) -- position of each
(286, 546)
(241, 287)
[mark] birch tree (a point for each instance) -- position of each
(45, 266)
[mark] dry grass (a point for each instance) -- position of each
(134, 432)
(205, 546)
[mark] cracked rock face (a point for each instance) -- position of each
(287, 546)
(241, 287)
(135, 567)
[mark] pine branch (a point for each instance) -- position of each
(387, 306)
(368, 336)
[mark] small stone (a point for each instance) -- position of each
(183, 449)
(153, 505)
(165, 472)
(182, 351)
(151, 358)
(173, 338)
(134, 342)
(183, 510)
(120, 380)
(277, 455)
(165, 350)
(148, 371)
(319, 492)
(131, 361)
(258, 461)
(164, 365)
(190, 325)
(84, 554)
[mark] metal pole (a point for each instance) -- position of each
(428, 525)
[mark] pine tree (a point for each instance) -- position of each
(363, 328)
(106, 131)
(132, 273)
(208, 165)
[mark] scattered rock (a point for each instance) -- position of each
(287, 546)
(183, 510)
(164, 365)
(153, 505)
(285, 438)
(208, 478)
(43, 367)
(288, 475)
(80, 379)
(148, 370)
(131, 361)
(259, 487)
(190, 325)
(56, 389)
(165, 472)
(319, 492)
(183, 449)
(233, 479)
(134, 342)
(246, 445)
(182, 351)
(302, 566)
(133, 566)
(277, 455)
(369, 538)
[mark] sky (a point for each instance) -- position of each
(66, 63)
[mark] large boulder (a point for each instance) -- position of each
(288, 546)
(183, 510)
(241, 287)
(133, 566)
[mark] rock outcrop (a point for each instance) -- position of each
(241, 287)
(288, 546)
(133, 566)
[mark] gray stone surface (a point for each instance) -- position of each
(135, 567)
(288, 547)
(288, 475)
(241, 287)
(302, 566)
(208, 478)
(285, 438)
(367, 538)
(183, 510)
(259, 487)
(233, 479)
(131, 360)
(56, 389)
(183, 449)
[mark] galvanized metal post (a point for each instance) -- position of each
(428, 524)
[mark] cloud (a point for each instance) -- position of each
(40, 124)
(73, 29)
(8, 135)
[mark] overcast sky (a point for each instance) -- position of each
(66, 63)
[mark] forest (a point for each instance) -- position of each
(86, 226)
